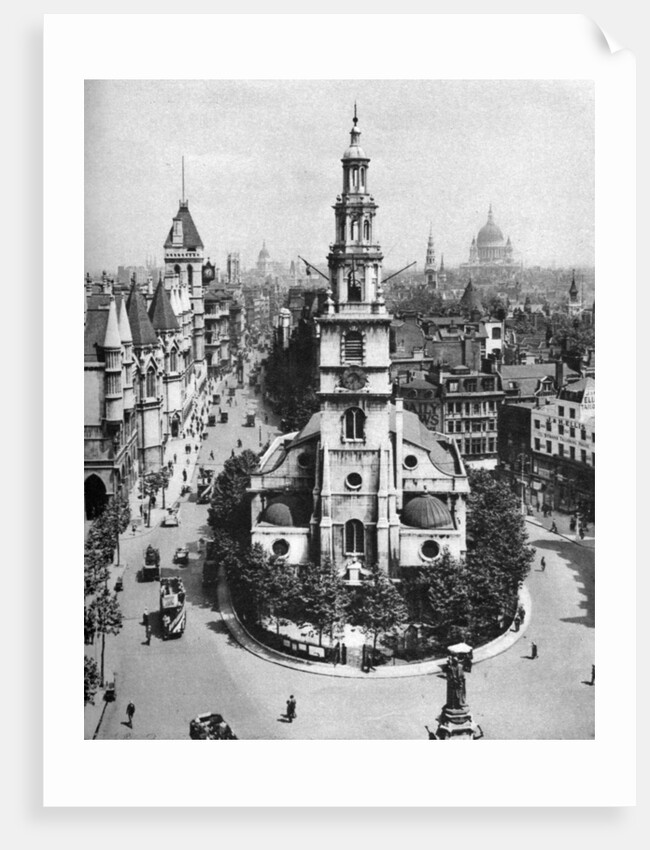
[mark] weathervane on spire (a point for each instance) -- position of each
(355, 119)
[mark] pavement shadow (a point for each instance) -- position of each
(283, 719)
(220, 628)
(583, 575)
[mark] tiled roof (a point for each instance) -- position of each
(94, 333)
(141, 328)
(161, 312)
(191, 238)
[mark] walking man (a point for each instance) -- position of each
(130, 711)
(211, 455)
(148, 634)
(533, 650)
(291, 708)
(593, 675)
(543, 563)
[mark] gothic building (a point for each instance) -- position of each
(144, 363)
(364, 482)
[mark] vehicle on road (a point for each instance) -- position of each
(172, 519)
(151, 565)
(224, 417)
(182, 555)
(212, 420)
(211, 727)
(210, 573)
(172, 607)
(216, 398)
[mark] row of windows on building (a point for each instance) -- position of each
(466, 408)
(478, 446)
(566, 451)
(471, 385)
(562, 429)
(460, 426)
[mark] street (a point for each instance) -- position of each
(170, 682)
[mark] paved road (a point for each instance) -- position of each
(510, 696)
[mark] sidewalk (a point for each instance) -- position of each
(422, 668)
(562, 522)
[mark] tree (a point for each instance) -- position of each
(112, 522)
(108, 618)
(229, 508)
(321, 600)
(155, 481)
(91, 680)
(281, 590)
(498, 556)
(377, 607)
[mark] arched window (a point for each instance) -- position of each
(354, 287)
(151, 384)
(366, 230)
(354, 229)
(362, 178)
(354, 537)
(190, 273)
(177, 269)
(173, 361)
(353, 347)
(355, 423)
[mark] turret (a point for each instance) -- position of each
(113, 367)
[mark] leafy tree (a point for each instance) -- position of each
(229, 508)
(90, 625)
(108, 618)
(498, 556)
(281, 590)
(377, 607)
(91, 680)
(321, 598)
(155, 481)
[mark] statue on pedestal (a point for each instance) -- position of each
(456, 694)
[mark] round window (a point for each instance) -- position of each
(304, 460)
(353, 481)
(430, 550)
(410, 461)
(280, 547)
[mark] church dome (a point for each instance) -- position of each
(490, 236)
(286, 511)
(426, 512)
(264, 253)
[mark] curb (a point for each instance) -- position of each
(559, 534)
(420, 668)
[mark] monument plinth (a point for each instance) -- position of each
(455, 722)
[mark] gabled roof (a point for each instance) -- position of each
(161, 312)
(191, 238)
(141, 328)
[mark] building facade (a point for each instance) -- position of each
(364, 482)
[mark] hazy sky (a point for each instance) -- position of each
(262, 162)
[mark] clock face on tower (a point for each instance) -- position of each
(353, 378)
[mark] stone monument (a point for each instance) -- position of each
(455, 721)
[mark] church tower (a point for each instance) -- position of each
(575, 307)
(430, 273)
(355, 388)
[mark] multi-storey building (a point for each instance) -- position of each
(364, 482)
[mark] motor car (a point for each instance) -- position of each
(182, 555)
(211, 727)
(172, 519)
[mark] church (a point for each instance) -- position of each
(490, 254)
(364, 482)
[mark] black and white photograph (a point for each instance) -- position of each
(339, 409)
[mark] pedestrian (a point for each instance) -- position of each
(291, 708)
(184, 476)
(187, 462)
(141, 509)
(582, 533)
(147, 633)
(196, 448)
(593, 675)
(266, 418)
(232, 453)
(553, 528)
(517, 622)
(543, 563)
(134, 526)
(533, 650)
(130, 711)
(239, 444)
(211, 455)
(174, 457)
(145, 617)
